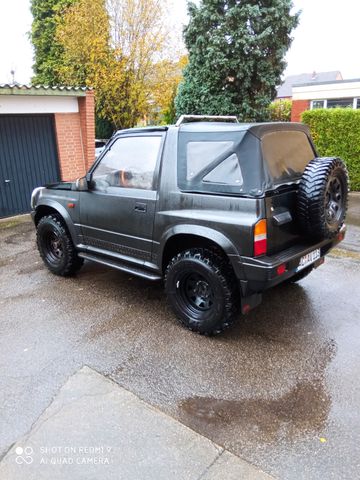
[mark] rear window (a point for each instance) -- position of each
(286, 153)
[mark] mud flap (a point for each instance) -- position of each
(250, 302)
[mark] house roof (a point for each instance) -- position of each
(28, 89)
(285, 90)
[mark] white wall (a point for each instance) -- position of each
(38, 104)
(327, 91)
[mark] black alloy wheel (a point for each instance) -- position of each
(196, 292)
(201, 289)
(334, 200)
(56, 246)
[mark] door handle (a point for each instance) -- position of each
(140, 207)
(7, 181)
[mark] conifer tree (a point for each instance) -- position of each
(236, 56)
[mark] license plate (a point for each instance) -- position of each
(308, 259)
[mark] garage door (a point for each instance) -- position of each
(28, 159)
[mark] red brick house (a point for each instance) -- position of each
(309, 96)
(319, 90)
(285, 89)
(47, 134)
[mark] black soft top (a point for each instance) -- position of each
(257, 129)
(266, 157)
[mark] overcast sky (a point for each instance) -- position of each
(327, 38)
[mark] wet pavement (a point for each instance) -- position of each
(102, 431)
(281, 389)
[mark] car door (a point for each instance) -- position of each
(117, 213)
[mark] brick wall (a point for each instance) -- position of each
(298, 107)
(87, 120)
(75, 134)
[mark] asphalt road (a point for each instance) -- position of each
(281, 389)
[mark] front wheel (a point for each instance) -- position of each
(56, 247)
(201, 289)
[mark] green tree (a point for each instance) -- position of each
(89, 59)
(236, 56)
(170, 111)
(48, 52)
(140, 37)
(162, 84)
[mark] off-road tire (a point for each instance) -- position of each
(201, 289)
(323, 198)
(56, 246)
(300, 275)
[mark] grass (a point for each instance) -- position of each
(13, 222)
(340, 253)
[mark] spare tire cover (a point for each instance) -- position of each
(323, 197)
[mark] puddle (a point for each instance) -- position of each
(301, 411)
(305, 408)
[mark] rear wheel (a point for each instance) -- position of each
(201, 289)
(56, 247)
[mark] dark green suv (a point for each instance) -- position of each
(219, 210)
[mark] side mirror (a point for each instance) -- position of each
(82, 184)
(89, 181)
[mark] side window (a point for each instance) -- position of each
(227, 173)
(201, 154)
(130, 163)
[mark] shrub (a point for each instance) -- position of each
(336, 133)
(280, 110)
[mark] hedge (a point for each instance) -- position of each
(336, 133)
(280, 110)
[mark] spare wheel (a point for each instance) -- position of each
(323, 197)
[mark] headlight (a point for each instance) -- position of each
(34, 197)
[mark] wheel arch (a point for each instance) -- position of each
(48, 207)
(183, 237)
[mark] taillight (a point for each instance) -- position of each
(281, 269)
(260, 238)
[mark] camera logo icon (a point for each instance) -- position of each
(24, 455)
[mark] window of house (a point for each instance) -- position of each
(318, 104)
(130, 162)
(340, 103)
(358, 103)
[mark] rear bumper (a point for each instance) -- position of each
(259, 274)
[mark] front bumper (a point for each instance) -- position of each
(259, 274)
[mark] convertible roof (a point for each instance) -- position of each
(257, 129)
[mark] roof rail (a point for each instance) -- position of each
(207, 118)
